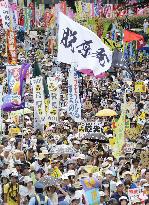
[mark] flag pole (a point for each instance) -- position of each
(22, 130)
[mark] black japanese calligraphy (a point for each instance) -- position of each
(69, 38)
(101, 55)
(85, 48)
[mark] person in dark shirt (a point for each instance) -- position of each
(119, 192)
(30, 155)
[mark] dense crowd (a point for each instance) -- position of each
(31, 170)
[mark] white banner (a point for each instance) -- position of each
(4, 14)
(54, 92)
(39, 105)
(74, 104)
(77, 44)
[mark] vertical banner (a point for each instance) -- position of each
(27, 18)
(11, 47)
(4, 14)
(39, 105)
(32, 7)
(120, 132)
(13, 79)
(54, 92)
(13, 16)
(74, 105)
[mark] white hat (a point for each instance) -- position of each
(45, 151)
(135, 200)
(108, 172)
(27, 179)
(146, 185)
(76, 142)
(14, 174)
(110, 159)
(126, 173)
(12, 139)
(102, 193)
(119, 183)
(64, 176)
(71, 173)
(123, 198)
(81, 156)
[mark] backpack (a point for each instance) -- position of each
(39, 201)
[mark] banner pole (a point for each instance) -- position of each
(22, 131)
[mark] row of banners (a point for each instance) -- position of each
(29, 16)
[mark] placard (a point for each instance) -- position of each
(91, 127)
(54, 93)
(140, 87)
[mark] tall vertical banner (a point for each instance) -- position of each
(13, 16)
(120, 132)
(74, 104)
(39, 105)
(27, 18)
(4, 14)
(54, 96)
(11, 47)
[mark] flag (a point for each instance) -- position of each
(132, 36)
(118, 61)
(37, 73)
(140, 44)
(79, 45)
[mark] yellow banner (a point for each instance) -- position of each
(140, 87)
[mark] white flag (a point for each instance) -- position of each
(77, 44)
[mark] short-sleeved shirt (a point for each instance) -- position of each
(12, 193)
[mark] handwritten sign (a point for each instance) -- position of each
(140, 87)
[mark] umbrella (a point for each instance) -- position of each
(49, 181)
(24, 111)
(62, 149)
(106, 113)
(95, 137)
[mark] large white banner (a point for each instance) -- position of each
(39, 105)
(54, 95)
(77, 44)
(74, 104)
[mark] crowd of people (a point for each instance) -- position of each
(50, 166)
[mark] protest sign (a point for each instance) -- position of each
(13, 16)
(4, 14)
(92, 197)
(132, 133)
(74, 105)
(54, 96)
(129, 147)
(90, 186)
(11, 47)
(39, 105)
(134, 193)
(87, 105)
(140, 87)
(27, 18)
(90, 127)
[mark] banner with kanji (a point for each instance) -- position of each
(39, 104)
(54, 98)
(82, 46)
(11, 47)
(74, 104)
